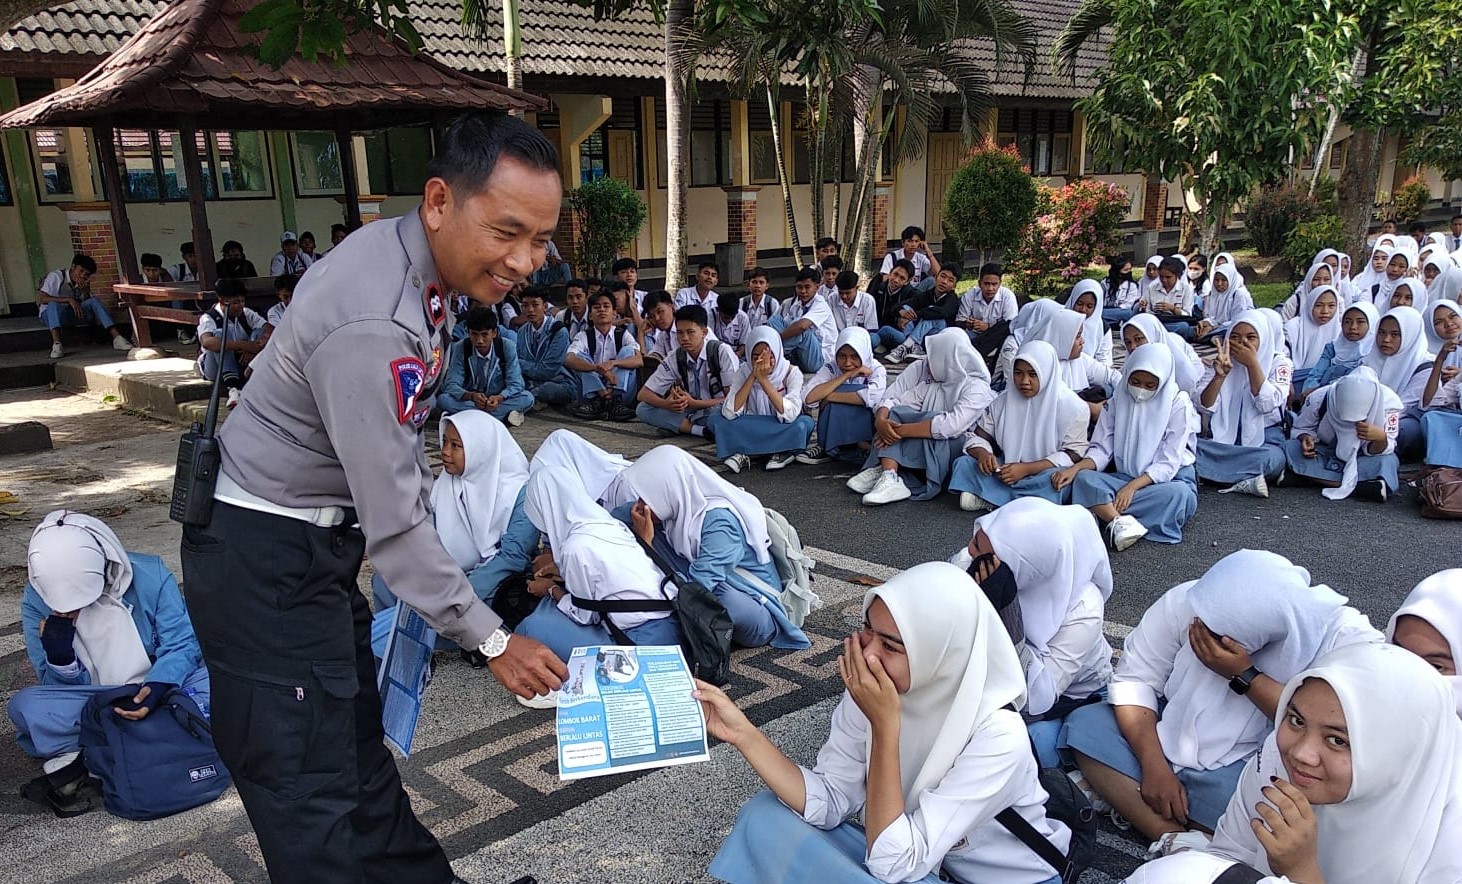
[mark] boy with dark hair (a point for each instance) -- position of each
(245, 332)
(605, 357)
(826, 247)
(925, 314)
(187, 271)
(1454, 239)
(985, 312)
(152, 272)
(624, 304)
(627, 271)
(852, 307)
(916, 251)
(680, 396)
(758, 305)
(703, 293)
(806, 324)
(338, 233)
(543, 342)
(233, 262)
(890, 293)
(64, 298)
(730, 324)
(659, 322)
(828, 286)
(593, 285)
(1418, 232)
(575, 316)
(283, 290)
(484, 373)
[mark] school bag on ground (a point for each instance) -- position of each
(1066, 804)
(158, 766)
(794, 569)
(1441, 494)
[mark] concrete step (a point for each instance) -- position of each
(158, 386)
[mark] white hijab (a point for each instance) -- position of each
(952, 366)
(1349, 352)
(1233, 415)
(1187, 867)
(1307, 338)
(1382, 296)
(1031, 321)
(758, 402)
(1092, 328)
(1438, 601)
(1222, 303)
(472, 510)
(1359, 396)
(76, 563)
(857, 337)
(596, 553)
(1032, 429)
(1151, 263)
(1061, 334)
(1368, 277)
(1265, 603)
(1401, 823)
(1185, 373)
(1416, 288)
(597, 468)
(1054, 553)
(1429, 318)
(680, 491)
(962, 669)
(1396, 371)
(1138, 427)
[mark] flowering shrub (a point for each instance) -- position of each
(1411, 199)
(1074, 225)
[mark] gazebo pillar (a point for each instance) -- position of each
(106, 149)
(197, 208)
(350, 178)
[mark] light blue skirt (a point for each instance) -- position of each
(1326, 467)
(1228, 464)
(931, 458)
(966, 476)
(758, 434)
(842, 426)
(1443, 438)
(1163, 508)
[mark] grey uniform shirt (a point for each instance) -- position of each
(333, 413)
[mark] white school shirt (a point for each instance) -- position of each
(667, 375)
(208, 325)
(758, 314)
(1128, 294)
(57, 284)
(791, 397)
(183, 273)
(817, 312)
(690, 296)
(659, 342)
(1415, 387)
(1073, 439)
(1182, 296)
(862, 314)
(1268, 401)
(281, 265)
(1449, 395)
(1084, 371)
(276, 314)
(604, 343)
(1001, 308)
(922, 267)
(1309, 422)
(954, 825)
(575, 325)
(1178, 447)
(733, 331)
(955, 422)
(827, 293)
(873, 385)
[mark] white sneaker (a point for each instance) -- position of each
(780, 461)
(515, 419)
(1256, 487)
(916, 351)
(121, 343)
(864, 481)
(1078, 779)
(973, 503)
(1177, 842)
(890, 489)
(57, 351)
(185, 337)
(233, 397)
(813, 455)
(540, 701)
(1125, 531)
(897, 354)
(737, 462)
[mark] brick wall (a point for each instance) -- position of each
(878, 231)
(90, 225)
(566, 238)
(741, 220)
(1154, 204)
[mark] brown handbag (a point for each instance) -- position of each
(1441, 494)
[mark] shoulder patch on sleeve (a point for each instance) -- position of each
(1393, 423)
(408, 375)
(1282, 374)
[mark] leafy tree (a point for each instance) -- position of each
(610, 215)
(991, 200)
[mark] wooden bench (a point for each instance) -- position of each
(152, 302)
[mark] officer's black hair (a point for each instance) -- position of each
(848, 279)
(85, 262)
(693, 313)
(624, 264)
(286, 282)
(229, 287)
(832, 262)
(481, 319)
(808, 273)
(150, 259)
(470, 147)
(655, 299)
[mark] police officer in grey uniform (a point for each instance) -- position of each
(322, 462)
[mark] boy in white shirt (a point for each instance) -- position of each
(806, 324)
(729, 323)
(758, 306)
(245, 330)
(828, 287)
(916, 251)
(64, 298)
(692, 382)
(986, 310)
(852, 307)
(605, 358)
(703, 293)
(627, 271)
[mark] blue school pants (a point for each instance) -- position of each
(208, 360)
(1326, 467)
(57, 314)
(47, 717)
(1163, 508)
(667, 420)
(1229, 464)
(967, 477)
(752, 434)
(914, 332)
(561, 634)
(803, 351)
(591, 383)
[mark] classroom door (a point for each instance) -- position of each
(946, 152)
(622, 162)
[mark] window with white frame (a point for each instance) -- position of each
(150, 164)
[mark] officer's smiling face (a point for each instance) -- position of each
(487, 242)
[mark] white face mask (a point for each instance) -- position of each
(1140, 394)
(1194, 274)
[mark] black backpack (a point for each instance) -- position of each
(1068, 805)
(591, 337)
(713, 368)
(705, 627)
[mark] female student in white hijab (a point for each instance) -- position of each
(594, 556)
(920, 424)
(1400, 359)
(1149, 276)
(1197, 867)
(1309, 333)
(1052, 560)
(925, 746)
(763, 412)
(1196, 689)
(1086, 299)
(1227, 298)
(1243, 394)
(1028, 325)
(1408, 293)
(1429, 625)
(597, 469)
(1398, 267)
(1361, 780)
(1148, 436)
(845, 393)
(94, 617)
(715, 534)
(1188, 366)
(1442, 420)
(1358, 326)
(477, 507)
(1035, 427)
(1345, 438)
(1319, 274)
(1087, 377)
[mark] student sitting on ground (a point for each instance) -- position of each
(1196, 867)
(605, 358)
(152, 270)
(1402, 363)
(758, 306)
(925, 748)
(575, 315)
(986, 312)
(1121, 293)
(827, 289)
(845, 394)
(543, 344)
(762, 411)
(1405, 294)
(1361, 781)
(1096, 341)
(1149, 279)
(703, 293)
(926, 313)
(729, 324)
(627, 271)
(806, 324)
(1029, 325)
(245, 332)
(920, 424)
(825, 247)
(484, 373)
(1226, 300)
(925, 267)
(289, 258)
(1148, 436)
(1188, 366)
(1173, 299)
(1035, 427)
(626, 309)
(94, 617)
(1429, 625)
(686, 388)
(283, 290)
(1243, 394)
(1091, 380)
(64, 298)
(852, 307)
(1358, 326)
(1345, 438)
(891, 292)
(1197, 687)
(713, 534)
(598, 470)
(233, 262)
(1316, 327)
(658, 337)
(1051, 559)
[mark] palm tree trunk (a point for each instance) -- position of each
(865, 144)
(782, 178)
(677, 16)
(817, 130)
(513, 47)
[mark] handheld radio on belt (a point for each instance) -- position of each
(198, 455)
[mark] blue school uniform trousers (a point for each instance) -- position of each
(803, 351)
(932, 457)
(496, 374)
(1163, 508)
(841, 427)
(58, 314)
(540, 358)
(966, 476)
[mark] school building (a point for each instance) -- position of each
(607, 114)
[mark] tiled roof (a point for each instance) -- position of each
(192, 60)
(85, 27)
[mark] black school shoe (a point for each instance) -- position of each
(1373, 490)
(592, 409)
(67, 792)
(620, 411)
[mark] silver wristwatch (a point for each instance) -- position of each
(494, 645)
